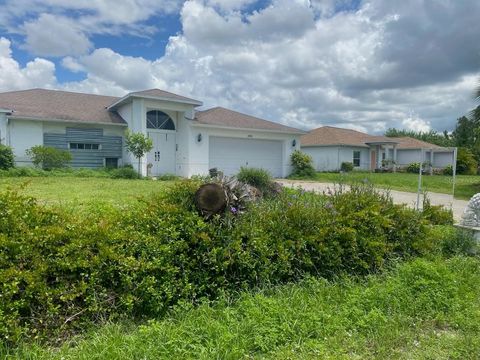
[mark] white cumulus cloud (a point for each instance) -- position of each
(36, 73)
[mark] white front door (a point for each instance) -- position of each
(162, 156)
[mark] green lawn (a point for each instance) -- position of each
(423, 309)
(466, 185)
(84, 191)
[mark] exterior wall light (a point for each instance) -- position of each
(199, 137)
(294, 143)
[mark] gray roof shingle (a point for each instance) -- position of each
(45, 104)
(330, 136)
(233, 119)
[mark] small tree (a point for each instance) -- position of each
(466, 162)
(6, 157)
(302, 164)
(49, 157)
(138, 145)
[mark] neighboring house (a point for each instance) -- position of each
(330, 146)
(186, 141)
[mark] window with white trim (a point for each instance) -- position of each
(356, 158)
(157, 119)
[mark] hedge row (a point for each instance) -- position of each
(59, 272)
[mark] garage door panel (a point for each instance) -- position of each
(230, 154)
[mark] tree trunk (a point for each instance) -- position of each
(210, 199)
(139, 164)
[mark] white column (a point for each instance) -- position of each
(3, 129)
(431, 161)
(395, 158)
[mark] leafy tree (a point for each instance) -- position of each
(49, 157)
(138, 145)
(466, 162)
(432, 136)
(6, 157)
(466, 132)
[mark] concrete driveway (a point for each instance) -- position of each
(399, 197)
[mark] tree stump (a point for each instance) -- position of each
(210, 199)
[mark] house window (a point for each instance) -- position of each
(356, 158)
(159, 120)
(84, 146)
(111, 163)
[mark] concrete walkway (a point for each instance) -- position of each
(399, 197)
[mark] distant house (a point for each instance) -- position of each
(186, 141)
(330, 146)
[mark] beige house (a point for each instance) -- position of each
(330, 146)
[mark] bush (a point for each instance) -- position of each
(448, 170)
(7, 160)
(346, 166)
(436, 214)
(302, 164)
(49, 158)
(459, 242)
(64, 172)
(413, 168)
(60, 271)
(125, 172)
(168, 177)
(466, 163)
(259, 178)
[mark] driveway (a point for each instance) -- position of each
(399, 197)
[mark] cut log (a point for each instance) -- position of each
(210, 199)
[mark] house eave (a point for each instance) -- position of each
(332, 145)
(6, 111)
(161, 98)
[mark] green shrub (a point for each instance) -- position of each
(459, 242)
(259, 178)
(346, 166)
(168, 177)
(466, 163)
(126, 172)
(60, 271)
(7, 160)
(447, 170)
(26, 171)
(413, 168)
(302, 164)
(49, 158)
(436, 214)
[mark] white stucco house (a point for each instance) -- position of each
(330, 146)
(186, 141)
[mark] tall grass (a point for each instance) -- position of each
(423, 309)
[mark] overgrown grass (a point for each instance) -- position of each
(83, 192)
(466, 185)
(423, 309)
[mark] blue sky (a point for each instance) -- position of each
(367, 65)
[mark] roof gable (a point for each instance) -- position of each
(155, 94)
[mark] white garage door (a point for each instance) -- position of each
(229, 154)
